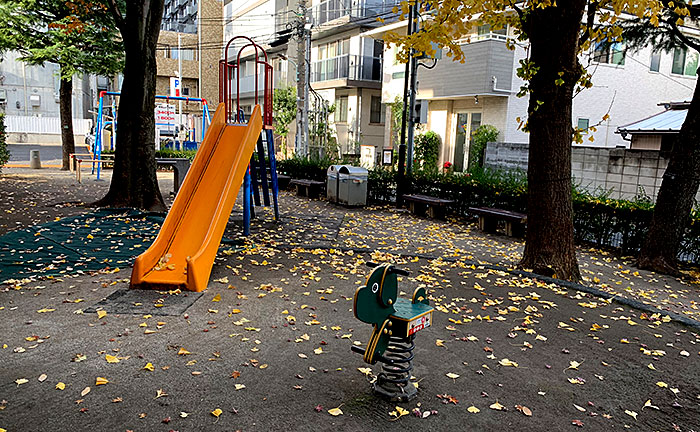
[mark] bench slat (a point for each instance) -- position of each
(499, 214)
(427, 199)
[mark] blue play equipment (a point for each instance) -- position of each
(101, 124)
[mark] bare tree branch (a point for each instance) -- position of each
(590, 20)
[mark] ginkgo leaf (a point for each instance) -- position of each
(101, 381)
(240, 386)
(631, 414)
(497, 406)
(365, 371)
(45, 310)
(472, 409)
(21, 381)
(318, 350)
(651, 366)
(60, 386)
(149, 367)
(452, 375)
(101, 314)
(648, 404)
(398, 412)
(85, 391)
(111, 358)
(217, 412)
(160, 393)
(216, 298)
(662, 384)
(183, 352)
(335, 412)
(574, 364)
(184, 414)
(440, 343)
(580, 408)
(506, 362)
(42, 377)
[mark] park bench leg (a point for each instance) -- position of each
(299, 190)
(436, 212)
(515, 229)
(487, 224)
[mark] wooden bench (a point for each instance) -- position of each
(308, 188)
(419, 203)
(489, 218)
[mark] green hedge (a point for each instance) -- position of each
(599, 220)
(305, 168)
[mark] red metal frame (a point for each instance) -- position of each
(229, 71)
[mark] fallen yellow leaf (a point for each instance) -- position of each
(497, 406)
(101, 381)
(183, 352)
(149, 367)
(111, 358)
(631, 414)
(60, 386)
(216, 298)
(21, 381)
(472, 409)
(85, 391)
(217, 412)
(101, 314)
(335, 412)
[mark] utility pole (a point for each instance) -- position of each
(401, 179)
(302, 80)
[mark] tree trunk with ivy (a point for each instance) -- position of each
(134, 182)
(66, 110)
(554, 40)
(676, 197)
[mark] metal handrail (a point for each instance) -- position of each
(350, 66)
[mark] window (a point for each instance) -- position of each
(612, 53)
(655, 61)
(484, 30)
(341, 109)
(684, 63)
(583, 125)
(333, 49)
(376, 110)
(187, 53)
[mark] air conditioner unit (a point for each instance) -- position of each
(35, 100)
(3, 95)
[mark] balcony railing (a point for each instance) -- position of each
(330, 10)
(353, 67)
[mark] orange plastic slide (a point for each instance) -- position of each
(183, 254)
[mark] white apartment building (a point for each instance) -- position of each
(461, 96)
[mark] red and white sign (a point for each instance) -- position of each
(419, 323)
(165, 117)
(175, 86)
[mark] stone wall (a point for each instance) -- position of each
(623, 172)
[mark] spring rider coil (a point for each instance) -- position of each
(394, 325)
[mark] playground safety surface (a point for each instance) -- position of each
(267, 345)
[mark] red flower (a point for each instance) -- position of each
(447, 165)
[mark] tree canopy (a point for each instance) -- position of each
(78, 35)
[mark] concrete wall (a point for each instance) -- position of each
(621, 171)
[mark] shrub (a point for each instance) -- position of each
(482, 135)
(304, 168)
(4, 153)
(598, 219)
(427, 148)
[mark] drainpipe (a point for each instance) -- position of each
(24, 79)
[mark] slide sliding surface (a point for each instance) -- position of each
(183, 254)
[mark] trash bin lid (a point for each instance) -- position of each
(333, 169)
(358, 172)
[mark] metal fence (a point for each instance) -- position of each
(354, 67)
(44, 125)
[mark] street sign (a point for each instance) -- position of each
(175, 86)
(165, 117)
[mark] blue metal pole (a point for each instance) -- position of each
(273, 170)
(246, 203)
(98, 132)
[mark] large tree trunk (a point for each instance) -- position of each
(66, 109)
(554, 35)
(134, 182)
(676, 196)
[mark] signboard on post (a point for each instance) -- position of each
(165, 121)
(175, 86)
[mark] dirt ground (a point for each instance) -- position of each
(268, 343)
